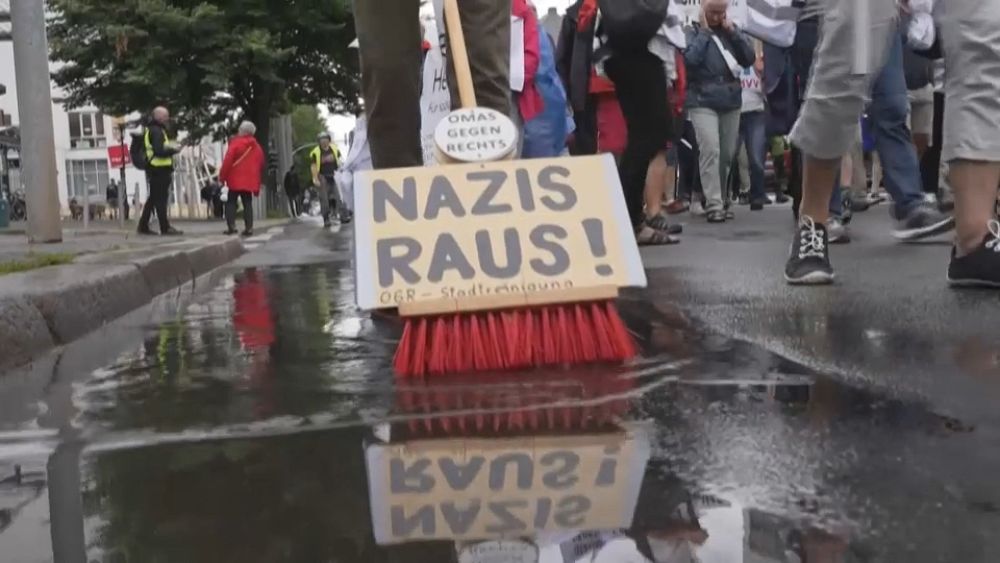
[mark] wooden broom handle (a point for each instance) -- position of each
(459, 55)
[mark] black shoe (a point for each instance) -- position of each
(809, 263)
(327, 222)
(247, 233)
(230, 232)
(744, 200)
(172, 232)
(145, 231)
(716, 216)
(982, 267)
(924, 221)
(782, 198)
(757, 206)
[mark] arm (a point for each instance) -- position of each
(314, 167)
(745, 54)
(159, 142)
(227, 164)
(698, 42)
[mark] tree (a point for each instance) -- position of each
(211, 62)
(307, 124)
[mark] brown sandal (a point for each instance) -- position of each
(648, 236)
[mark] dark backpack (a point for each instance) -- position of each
(137, 150)
(631, 24)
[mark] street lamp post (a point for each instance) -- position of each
(34, 98)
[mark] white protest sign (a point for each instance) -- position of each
(435, 99)
(691, 9)
(480, 489)
(476, 135)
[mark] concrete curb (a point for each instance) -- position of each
(45, 308)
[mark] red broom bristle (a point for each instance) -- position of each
(518, 339)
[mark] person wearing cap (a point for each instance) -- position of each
(325, 160)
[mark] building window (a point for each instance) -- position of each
(86, 130)
(87, 176)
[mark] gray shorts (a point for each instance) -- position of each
(922, 111)
(970, 37)
(843, 73)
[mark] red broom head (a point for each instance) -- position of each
(569, 334)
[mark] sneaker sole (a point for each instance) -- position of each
(972, 284)
(812, 278)
(938, 228)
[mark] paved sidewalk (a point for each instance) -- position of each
(106, 236)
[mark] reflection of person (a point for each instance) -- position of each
(241, 172)
(389, 40)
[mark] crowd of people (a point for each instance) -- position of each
(694, 114)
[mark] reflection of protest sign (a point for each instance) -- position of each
(482, 489)
(508, 231)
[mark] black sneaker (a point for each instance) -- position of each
(924, 221)
(809, 263)
(145, 231)
(172, 232)
(982, 267)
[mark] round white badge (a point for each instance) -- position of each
(476, 135)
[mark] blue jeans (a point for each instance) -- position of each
(889, 110)
(753, 135)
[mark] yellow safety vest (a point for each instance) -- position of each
(317, 158)
(158, 162)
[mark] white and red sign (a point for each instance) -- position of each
(119, 156)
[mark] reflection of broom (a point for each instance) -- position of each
(574, 326)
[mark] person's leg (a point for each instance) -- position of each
(323, 193)
(893, 141)
(729, 136)
(656, 184)
(230, 212)
(147, 207)
(641, 84)
(836, 96)
(930, 164)
(486, 24)
(970, 37)
(756, 146)
(706, 128)
(247, 198)
(389, 38)
(161, 191)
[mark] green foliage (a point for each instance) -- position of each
(211, 62)
(307, 124)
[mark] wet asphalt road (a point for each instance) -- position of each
(254, 417)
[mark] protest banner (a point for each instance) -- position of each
(505, 230)
(435, 99)
(480, 489)
(692, 11)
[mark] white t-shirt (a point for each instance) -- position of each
(753, 91)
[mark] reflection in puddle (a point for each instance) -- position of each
(264, 424)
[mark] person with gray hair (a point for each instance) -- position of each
(241, 172)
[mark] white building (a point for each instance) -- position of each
(82, 138)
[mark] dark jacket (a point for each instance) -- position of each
(574, 58)
(158, 138)
(710, 82)
(780, 89)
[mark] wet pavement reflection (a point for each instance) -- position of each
(262, 423)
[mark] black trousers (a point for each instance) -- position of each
(159, 194)
(234, 198)
(930, 166)
(641, 83)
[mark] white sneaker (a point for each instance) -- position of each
(697, 208)
(837, 231)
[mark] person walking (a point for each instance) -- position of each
(325, 160)
(160, 152)
(241, 173)
(970, 40)
(753, 130)
(716, 53)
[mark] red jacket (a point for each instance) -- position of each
(530, 101)
(243, 165)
